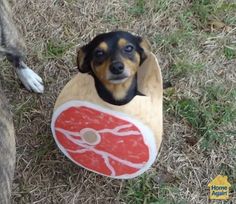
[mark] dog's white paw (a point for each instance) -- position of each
(30, 79)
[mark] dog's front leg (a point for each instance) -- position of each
(31, 80)
(12, 45)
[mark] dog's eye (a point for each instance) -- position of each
(99, 53)
(128, 48)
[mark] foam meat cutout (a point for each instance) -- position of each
(115, 141)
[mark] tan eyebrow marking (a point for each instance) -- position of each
(103, 46)
(122, 42)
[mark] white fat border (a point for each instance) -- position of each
(147, 133)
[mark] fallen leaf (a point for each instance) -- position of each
(216, 24)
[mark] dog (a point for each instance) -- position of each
(11, 47)
(7, 151)
(113, 60)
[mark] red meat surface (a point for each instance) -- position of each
(119, 148)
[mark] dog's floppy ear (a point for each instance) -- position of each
(145, 47)
(82, 59)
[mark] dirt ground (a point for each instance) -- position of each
(196, 46)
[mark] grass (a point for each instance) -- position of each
(230, 52)
(144, 190)
(173, 41)
(182, 67)
(56, 49)
(203, 9)
(207, 114)
(195, 45)
(112, 19)
(138, 9)
(161, 5)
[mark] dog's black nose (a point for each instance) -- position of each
(116, 68)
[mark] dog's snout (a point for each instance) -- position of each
(117, 68)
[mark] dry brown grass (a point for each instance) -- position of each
(43, 174)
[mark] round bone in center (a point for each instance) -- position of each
(90, 136)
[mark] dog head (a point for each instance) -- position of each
(113, 59)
